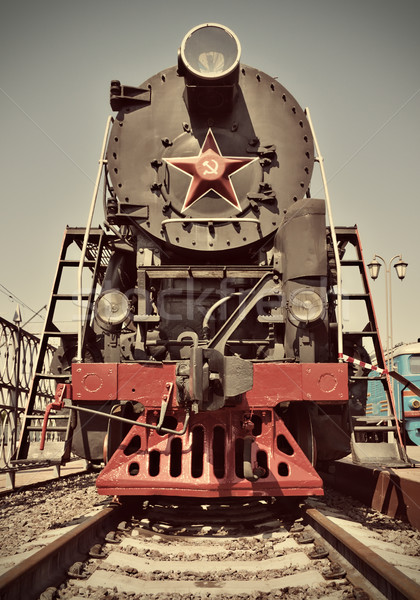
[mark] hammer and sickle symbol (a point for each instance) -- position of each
(212, 167)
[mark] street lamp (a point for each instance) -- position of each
(401, 268)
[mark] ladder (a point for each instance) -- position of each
(374, 440)
(58, 445)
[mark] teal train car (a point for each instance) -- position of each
(406, 359)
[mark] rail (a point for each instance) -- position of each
(48, 566)
(383, 576)
(82, 554)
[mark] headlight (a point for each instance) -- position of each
(112, 309)
(306, 305)
(210, 51)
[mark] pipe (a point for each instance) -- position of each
(214, 307)
(249, 473)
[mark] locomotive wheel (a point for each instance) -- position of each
(298, 421)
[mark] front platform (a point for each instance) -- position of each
(393, 492)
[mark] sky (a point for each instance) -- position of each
(356, 65)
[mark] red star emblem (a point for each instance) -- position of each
(210, 171)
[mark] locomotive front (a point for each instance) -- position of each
(218, 367)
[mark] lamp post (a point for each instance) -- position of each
(401, 268)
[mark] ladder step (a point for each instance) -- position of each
(374, 428)
(350, 296)
(355, 296)
(49, 429)
(351, 263)
(41, 416)
(361, 333)
(76, 263)
(69, 296)
(361, 377)
(50, 376)
(383, 454)
(60, 333)
(374, 418)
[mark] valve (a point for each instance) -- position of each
(58, 404)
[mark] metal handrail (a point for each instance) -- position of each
(320, 160)
(211, 220)
(102, 162)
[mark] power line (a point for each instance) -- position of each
(13, 296)
(35, 315)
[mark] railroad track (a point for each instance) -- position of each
(224, 549)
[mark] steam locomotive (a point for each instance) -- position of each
(210, 364)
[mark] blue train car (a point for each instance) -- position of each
(406, 363)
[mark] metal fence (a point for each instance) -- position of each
(18, 354)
